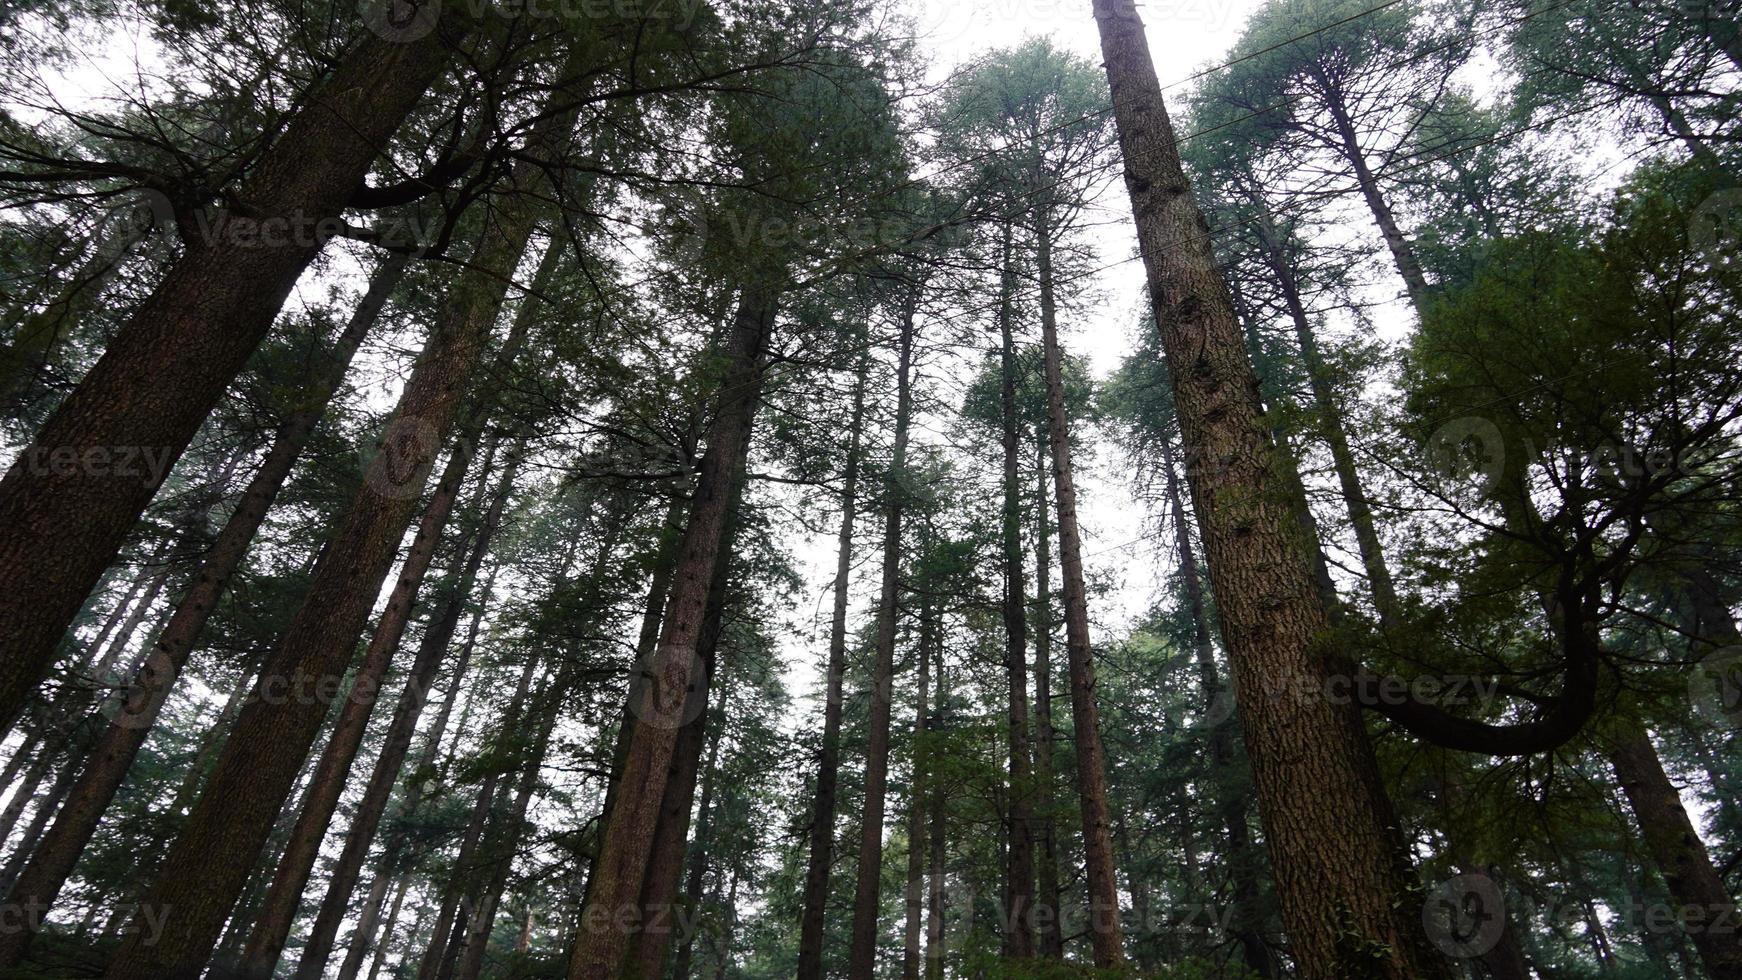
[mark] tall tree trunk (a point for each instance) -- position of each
(1330, 417)
(822, 829)
(1699, 894)
(1050, 901)
(171, 361)
(1085, 713)
(934, 836)
(46, 806)
(41, 881)
(698, 860)
(1402, 251)
(278, 915)
(913, 951)
(862, 956)
(1242, 860)
(1341, 869)
(395, 745)
(665, 862)
(1019, 872)
(619, 872)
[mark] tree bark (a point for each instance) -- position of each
(862, 956)
(1019, 871)
(822, 829)
(913, 953)
(698, 860)
(41, 881)
(1402, 252)
(1085, 713)
(1050, 901)
(172, 360)
(934, 837)
(619, 872)
(1702, 901)
(1341, 869)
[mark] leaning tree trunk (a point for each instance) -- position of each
(395, 744)
(1341, 869)
(1019, 870)
(862, 955)
(171, 361)
(1050, 901)
(822, 829)
(1085, 713)
(1402, 251)
(204, 868)
(278, 915)
(618, 874)
(1243, 861)
(41, 881)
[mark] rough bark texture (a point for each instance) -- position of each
(1341, 870)
(619, 872)
(1019, 869)
(170, 363)
(395, 745)
(42, 879)
(202, 871)
(937, 808)
(1243, 862)
(1085, 713)
(1049, 899)
(822, 829)
(698, 858)
(912, 951)
(862, 955)
(1696, 890)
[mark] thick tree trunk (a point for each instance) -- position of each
(665, 862)
(41, 881)
(395, 745)
(227, 825)
(1049, 902)
(139, 406)
(913, 952)
(1085, 713)
(1019, 871)
(822, 829)
(1242, 859)
(1701, 899)
(272, 928)
(1341, 869)
(619, 872)
(862, 955)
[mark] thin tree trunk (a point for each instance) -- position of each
(934, 916)
(1085, 713)
(619, 872)
(45, 808)
(1050, 902)
(913, 951)
(171, 361)
(698, 859)
(1402, 251)
(822, 829)
(347, 971)
(862, 956)
(1699, 894)
(1341, 869)
(395, 745)
(1019, 871)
